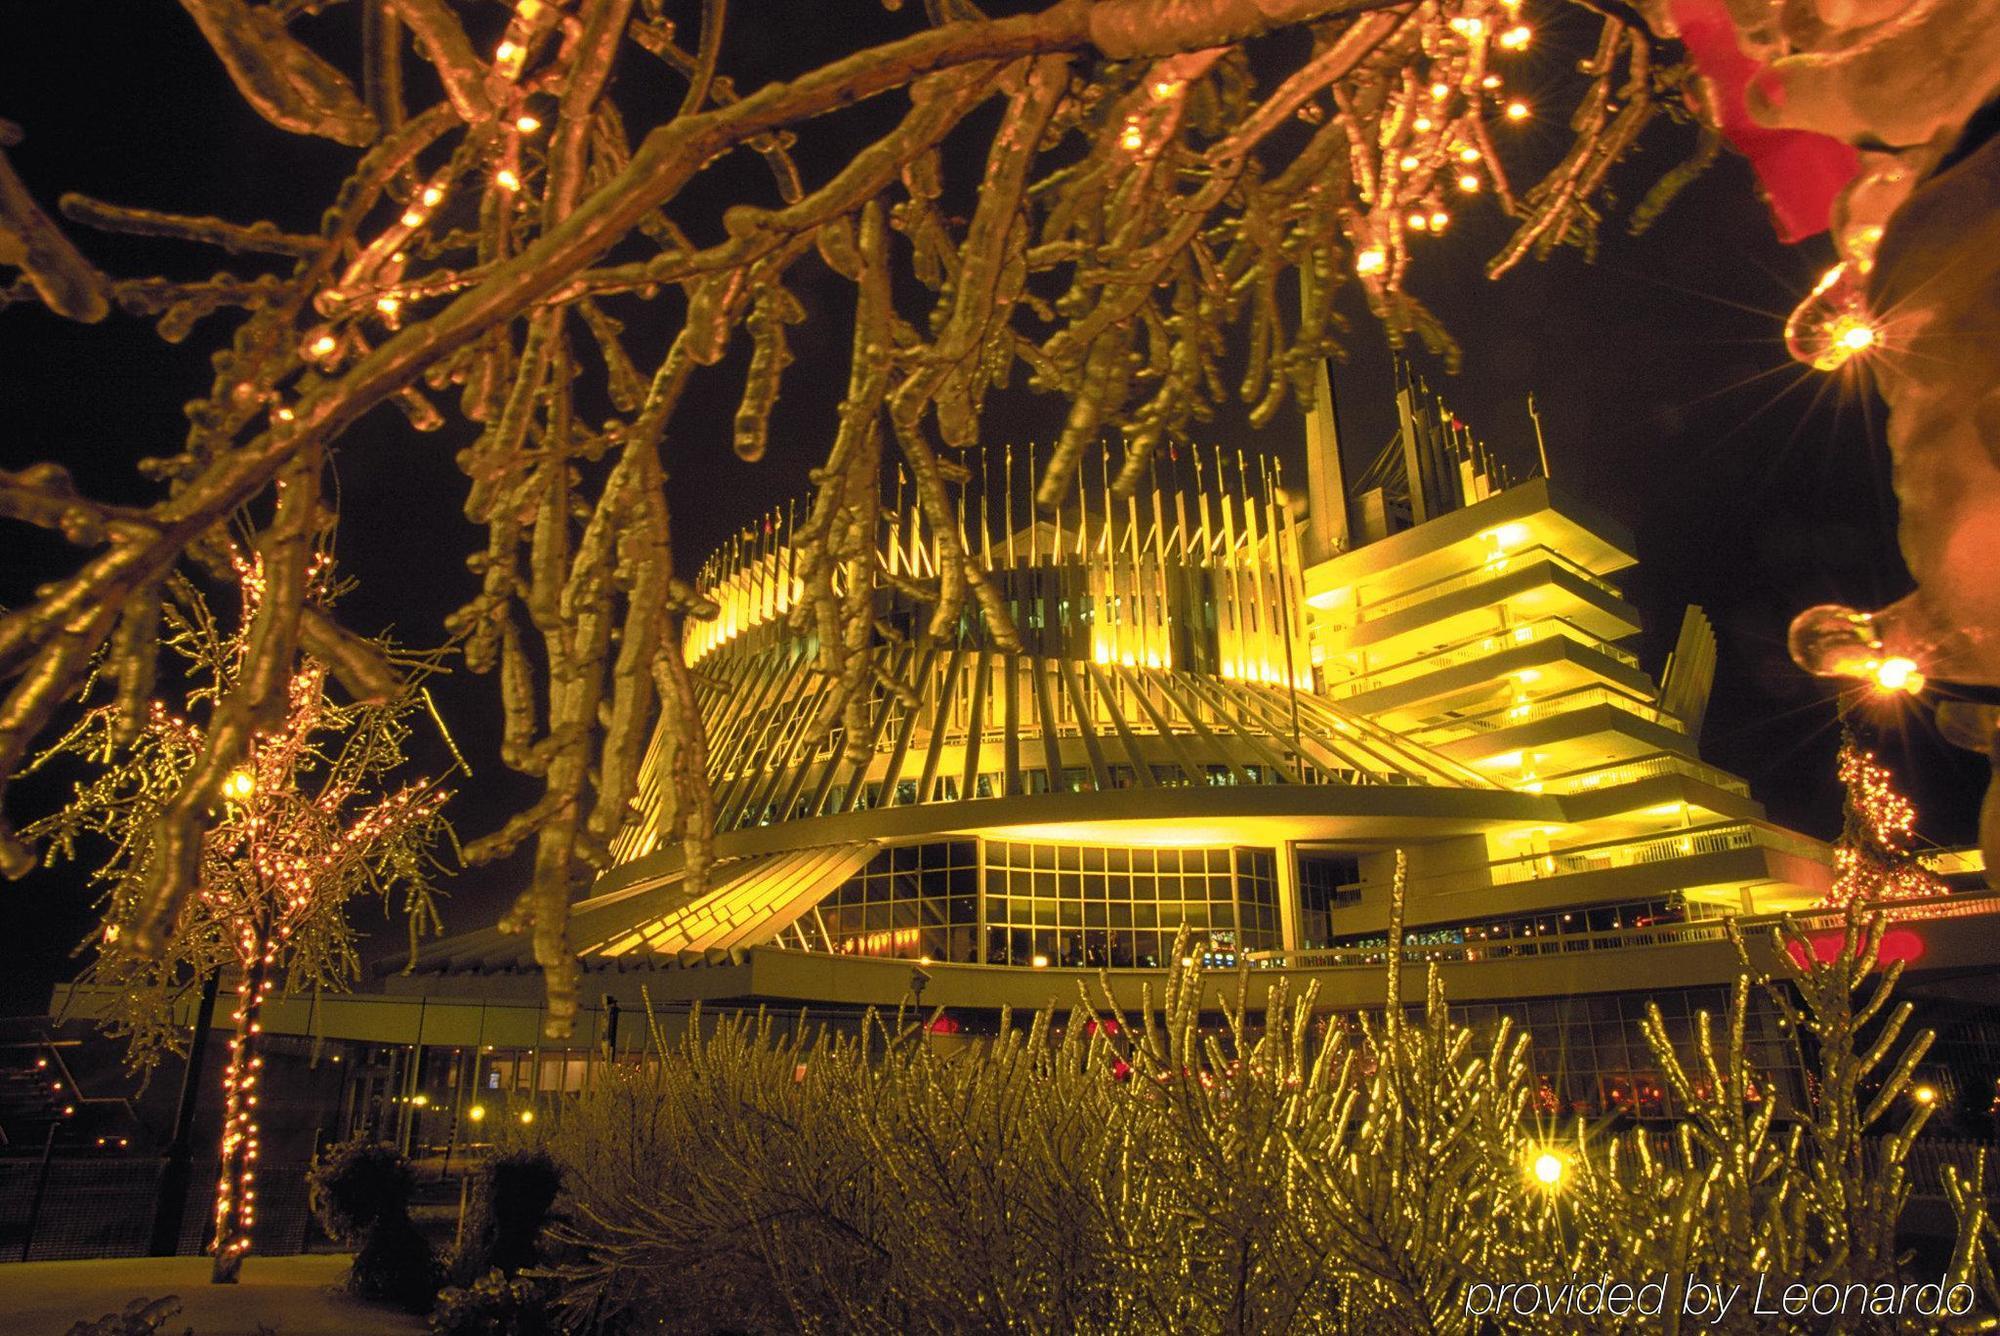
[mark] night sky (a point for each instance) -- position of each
(1754, 486)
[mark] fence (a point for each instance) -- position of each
(78, 1206)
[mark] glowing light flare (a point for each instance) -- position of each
(1925, 1095)
(1516, 38)
(240, 786)
(1371, 260)
(506, 179)
(1832, 325)
(1132, 138)
(527, 125)
(1548, 1168)
(1517, 110)
(1897, 673)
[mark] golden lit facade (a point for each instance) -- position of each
(1217, 718)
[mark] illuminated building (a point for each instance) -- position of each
(1230, 706)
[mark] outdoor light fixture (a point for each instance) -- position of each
(527, 1116)
(1925, 1095)
(477, 1113)
(1548, 1169)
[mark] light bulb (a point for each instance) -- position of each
(1372, 260)
(1830, 640)
(1517, 111)
(1897, 673)
(1831, 326)
(1548, 1169)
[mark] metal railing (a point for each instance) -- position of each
(1479, 646)
(1646, 767)
(1526, 712)
(1665, 934)
(1602, 856)
(1492, 568)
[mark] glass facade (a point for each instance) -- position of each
(1082, 906)
(1326, 882)
(1591, 1057)
(1094, 905)
(912, 901)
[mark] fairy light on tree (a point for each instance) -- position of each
(1149, 200)
(1873, 860)
(308, 820)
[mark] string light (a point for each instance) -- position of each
(1516, 38)
(1371, 260)
(1548, 1169)
(1468, 183)
(527, 125)
(1132, 138)
(1517, 110)
(1831, 326)
(1873, 861)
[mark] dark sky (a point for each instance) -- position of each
(1754, 486)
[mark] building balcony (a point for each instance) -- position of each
(1475, 648)
(1531, 585)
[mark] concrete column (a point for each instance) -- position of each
(1288, 894)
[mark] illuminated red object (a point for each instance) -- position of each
(1801, 172)
(1898, 944)
(944, 1024)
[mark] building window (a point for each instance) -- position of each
(1086, 906)
(1326, 881)
(912, 901)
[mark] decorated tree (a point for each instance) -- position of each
(311, 818)
(1874, 861)
(1103, 197)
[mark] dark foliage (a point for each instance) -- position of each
(360, 1191)
(511, 1199)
